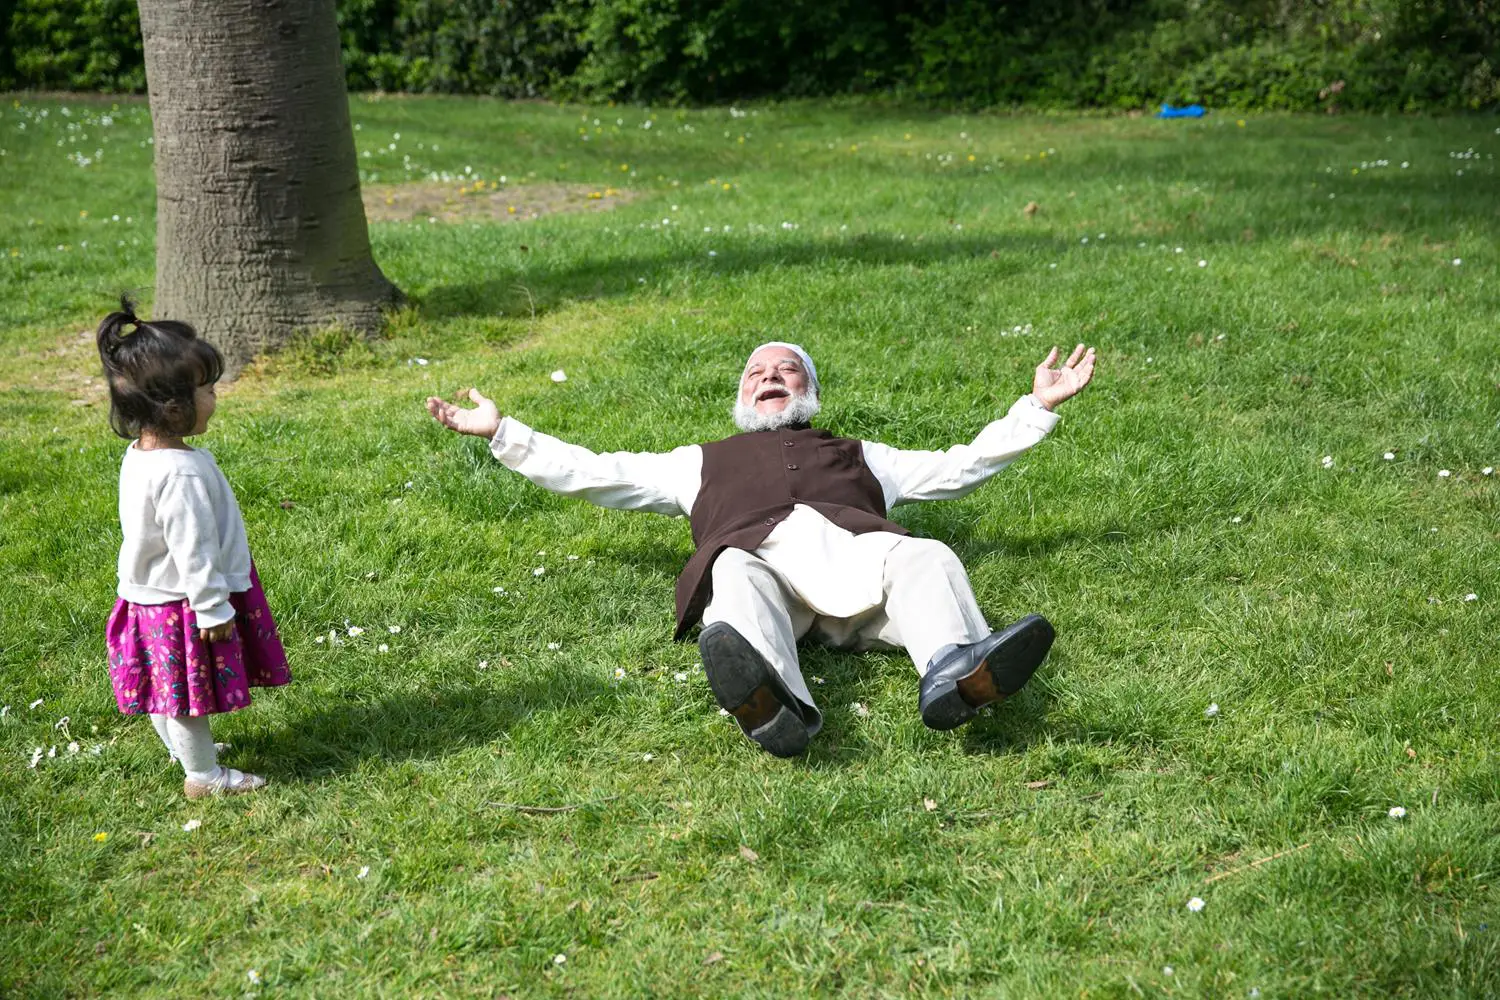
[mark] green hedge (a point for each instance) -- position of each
(1376, 55)
(72, 45)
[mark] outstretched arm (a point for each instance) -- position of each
(663, 483)
(909, 476)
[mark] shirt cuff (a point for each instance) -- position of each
(214, 616)
(511, 443)
(1029, 411)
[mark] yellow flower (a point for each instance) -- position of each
(1241, 123)
(971, 157)
(511, 209)
(726, 187)
(854, 148)
(907, 136)
(100, 837)
(624, 166)
(83, 215)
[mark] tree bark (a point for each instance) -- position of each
(260, 231)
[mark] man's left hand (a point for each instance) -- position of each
(1055, 385)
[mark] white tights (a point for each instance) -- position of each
(187, 738)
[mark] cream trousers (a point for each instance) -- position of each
(927, 604)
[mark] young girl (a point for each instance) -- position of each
(191, 632)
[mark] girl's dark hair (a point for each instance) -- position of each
(153, 370)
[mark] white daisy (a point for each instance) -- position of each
(1397, 812)
(1196, 904)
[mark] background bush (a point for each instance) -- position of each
(1376, 55)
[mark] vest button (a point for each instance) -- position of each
(770, 520)
(790, 444)
(792, 466)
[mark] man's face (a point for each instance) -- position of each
(773, 377)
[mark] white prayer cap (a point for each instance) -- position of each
(812, 371)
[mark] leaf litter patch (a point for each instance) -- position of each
(484, 201)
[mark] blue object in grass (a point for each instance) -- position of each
(1191, 111)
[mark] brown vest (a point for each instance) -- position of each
(750, 484)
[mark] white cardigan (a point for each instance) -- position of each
(184, 537)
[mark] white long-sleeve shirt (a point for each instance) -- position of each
(835, 572)
(184, 536)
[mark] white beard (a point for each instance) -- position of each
(802, 408)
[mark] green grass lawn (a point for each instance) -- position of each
(1263, 294)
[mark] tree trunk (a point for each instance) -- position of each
(260, 231)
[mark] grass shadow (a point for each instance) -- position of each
(607, 277)
(1013, 726)
(414, 724)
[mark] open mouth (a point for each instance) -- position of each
(771, 392)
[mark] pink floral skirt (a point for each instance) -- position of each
(158, 664)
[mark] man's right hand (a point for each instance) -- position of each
(482, 421)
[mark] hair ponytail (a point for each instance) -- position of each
(111, 332)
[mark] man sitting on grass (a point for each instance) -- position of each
(792, 540)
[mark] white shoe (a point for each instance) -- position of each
(229, 782)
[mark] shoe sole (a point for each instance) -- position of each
(1007, 668)
(208, 791)
(745, 686)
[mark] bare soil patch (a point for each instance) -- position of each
(483, 201)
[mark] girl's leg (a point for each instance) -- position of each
(159, 723)
(194, 743)
(189, 737)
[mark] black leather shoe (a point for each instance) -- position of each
(747, 687)
(962, 679)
